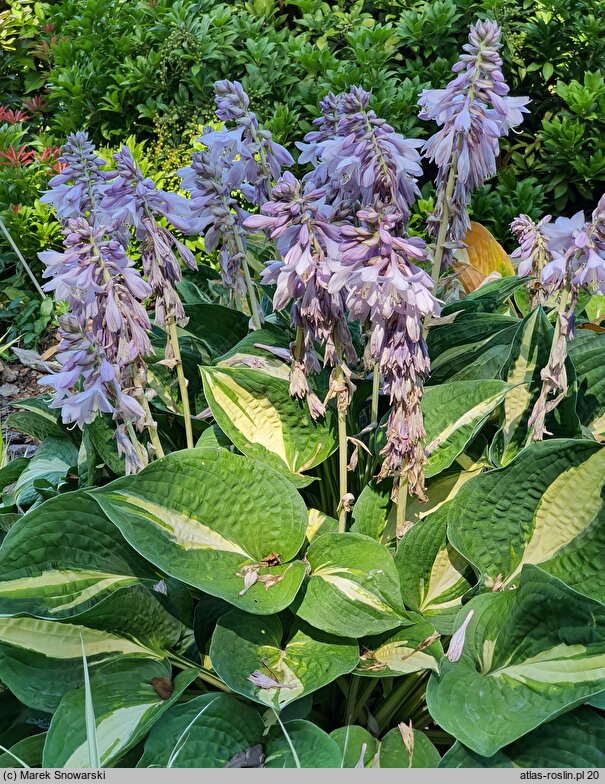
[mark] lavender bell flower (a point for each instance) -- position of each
(577, 249)
(534, 253)
(133, 199)
(262, 156)
(214, 174)
(474, 112)
(308, 245)
(78, 188)
(388, 290)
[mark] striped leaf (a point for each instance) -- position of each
(256, 412)
(408, 650)
(528, 356)
(453, 415)
(587, 352)
(26, 752)
(49, 466)
(205, 732)
(545, 508)
(216, 521)
(353, 588)
(36, 419)
(65, 560)
(528, 655)
(128, 698)
(244, 644)
(574, 740)
(390, 752)
(433, 575)
(42, 660)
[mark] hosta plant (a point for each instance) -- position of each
(342, 517)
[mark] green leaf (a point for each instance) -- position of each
(393, 752)
(574, 740)
(27, 751)
(351, 741)
(453, 415)
(371, 510)
(528, 355)
(12, 471)
(587, 352)
(313, 747)
(42, 660)
(256, 412)
(36, 419)
(545, 508)
(215, 327)
(203, 515)
(51, 462)
(487, 298)
(319, 523)
(65, 560)
(353, 588)
(402, 653)
(205, 732)
(102, 438)
(469, 328)
(250, 345)
(128, 698)
(433, 575)
(243, 644)
(528, 655)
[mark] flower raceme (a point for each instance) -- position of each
(474, 111)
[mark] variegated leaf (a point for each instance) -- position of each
(218, 521)
(412, 649)
(527, 656)
(256, 412)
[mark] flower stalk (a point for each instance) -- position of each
(173, 340)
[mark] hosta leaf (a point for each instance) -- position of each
(574, 740)
(486, 363)
(128, 698)
(36, 419)
(50, 463)
(487, 299)
(205, 732)
(528, 355)
(371, 510)
(65, 559)
(433, 575)
(217, 328)
(453, 415)
(12, 471)
(314, 748)
(42, 660)
(256, 412)
(587, 352)
(28, 750)
(545, 508)
(483, 251)
(394, 754)
(102, 436)
(254, 342)
(528, 655)
(319, 523)
(351, 741)
(203, 515)
(244, 644)
(439, 490)
(408, 650)
(353, 587)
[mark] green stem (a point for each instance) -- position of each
(203, 674)
(392, 703)
(21, 259)
(402, 502)
(351, 699)
(375, 394)
(443, 226)
(342, 456)
(152, 427)
(365, 696)
(249, 284)
(174, 343)
(136, 443)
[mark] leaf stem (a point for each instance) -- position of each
(351, 699)
(174, 343)
(204, 675)
(375, 394)
(395, 699)
(402, 502)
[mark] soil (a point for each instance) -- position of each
(16, 383)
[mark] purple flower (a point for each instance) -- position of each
(308, 245)
(133, 199)
(263, 157)
(78, 189)
(474, 111)
(533, 251)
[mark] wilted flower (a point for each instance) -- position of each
(263, 158)
(457, 641)
(308, 245)
(78, 188)
(474, 111)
